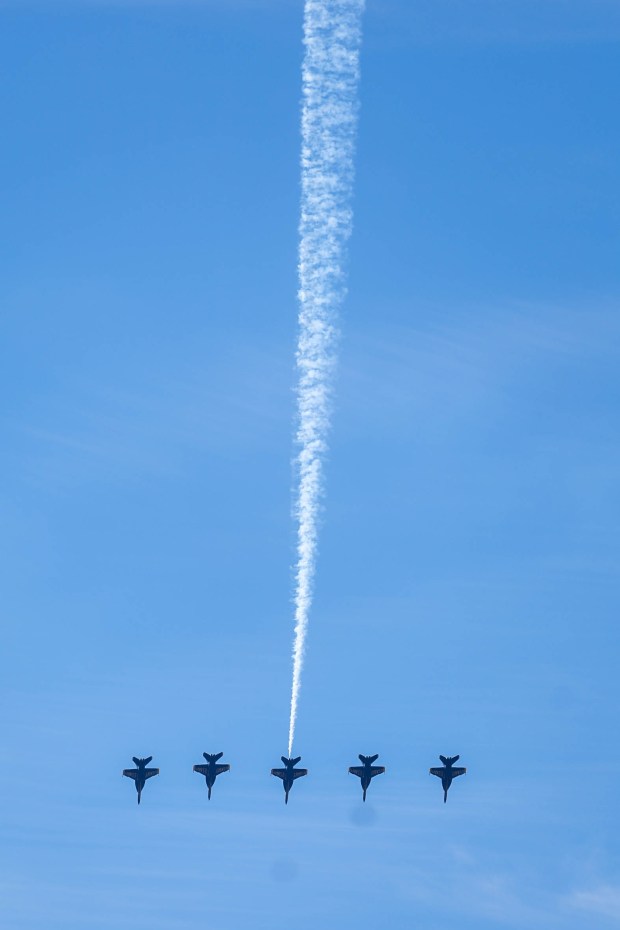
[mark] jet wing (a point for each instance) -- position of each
(297, 773)
(130, 773)
(148, 773)
(439, 772)
(220, 769)
(279, 773)
(202, 769)
(459, 771)
(357, 770)
(376, 770)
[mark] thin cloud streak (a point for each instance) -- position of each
(603, 901)
(332, 37)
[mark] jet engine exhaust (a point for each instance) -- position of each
(330, 79)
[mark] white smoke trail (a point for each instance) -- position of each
(332, 36)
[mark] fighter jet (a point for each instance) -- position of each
(366, 771)
(447, 773)
(288, 774)
(212, 769)
(140, 774)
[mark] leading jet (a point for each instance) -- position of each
(211, 770)
(366, 771)
(447, 772)
(140, 774)
(288, 774)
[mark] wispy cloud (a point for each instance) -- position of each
(474, 363)
(225, 5)
(602, 901)
(488, 22)
(145, 422)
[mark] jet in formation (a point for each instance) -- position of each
(211, 770)
(447, 772)
(366, 771)
(140, 774)
(288, 774)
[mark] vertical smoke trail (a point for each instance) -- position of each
(332, 36)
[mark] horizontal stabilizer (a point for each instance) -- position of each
(213, 757)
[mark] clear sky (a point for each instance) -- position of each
(467, 586)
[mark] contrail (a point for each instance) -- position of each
(330, 78)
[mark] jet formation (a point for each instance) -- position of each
(289, 774)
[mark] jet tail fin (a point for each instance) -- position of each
(213, 757)
(295, 761)
(368, 760)
(141, 762)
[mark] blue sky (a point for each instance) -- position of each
(467, 588)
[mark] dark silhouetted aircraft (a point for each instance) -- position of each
(447, 773)
(140, 774)
(367, 771)
(288, 774)
(212, 769)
